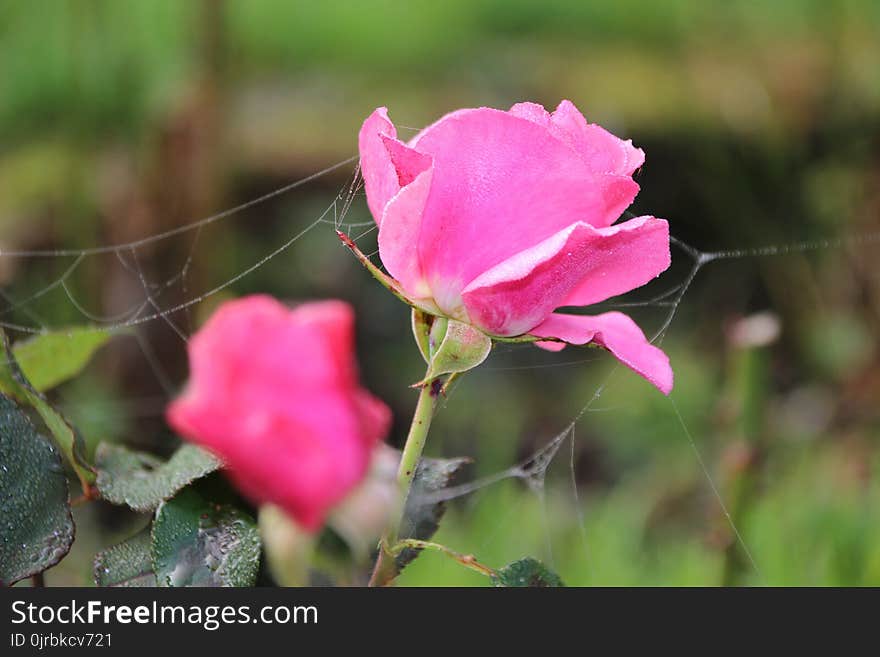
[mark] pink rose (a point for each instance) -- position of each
(274, 393)
(499, 218)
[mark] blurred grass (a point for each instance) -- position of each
(761, 124)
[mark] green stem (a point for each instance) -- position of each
(744, 458)
(386, 567)
(466, 560)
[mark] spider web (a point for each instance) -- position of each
(150, 307)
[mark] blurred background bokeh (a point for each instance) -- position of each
(761, 125)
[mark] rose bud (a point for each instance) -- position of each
(274, 393)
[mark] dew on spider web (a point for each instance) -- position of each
(125, 266)
(147, 307)
(533, 470)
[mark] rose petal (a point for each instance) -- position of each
(601, 149)
(533, 112)
(386, 163)
(380, 176)
(501, 184)
(629, 255)
(374, 416)
(408, 163)
(304, 458)
(333, 321)
(618, 334)
(578, 265)
(399, 235)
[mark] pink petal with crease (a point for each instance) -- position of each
(408, 163)
(578, 265)
(618, 334)
(632, 254)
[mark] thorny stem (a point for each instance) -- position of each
(387, 282)
(386, 568)
(743, 460)
(466, 560)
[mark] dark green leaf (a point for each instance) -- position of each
(142, 481)
(199, 543)
(420, 518)
(36, 528)
(15, 383)
(526, 572)
(51, 358)
(126, 564)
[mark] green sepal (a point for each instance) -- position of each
(421, 328)
(462, 348)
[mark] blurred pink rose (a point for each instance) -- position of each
(274, 393)
(499, 218)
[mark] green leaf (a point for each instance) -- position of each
(67, 438)
(52, 358)
(126, 564)
(36, 528)
(526, 572)
(16, 384)
(11, 378)
(421, 519)
(198, 543)
(463, 348)
(142, 481)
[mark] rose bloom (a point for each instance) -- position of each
(499, 218)
(274, 393)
